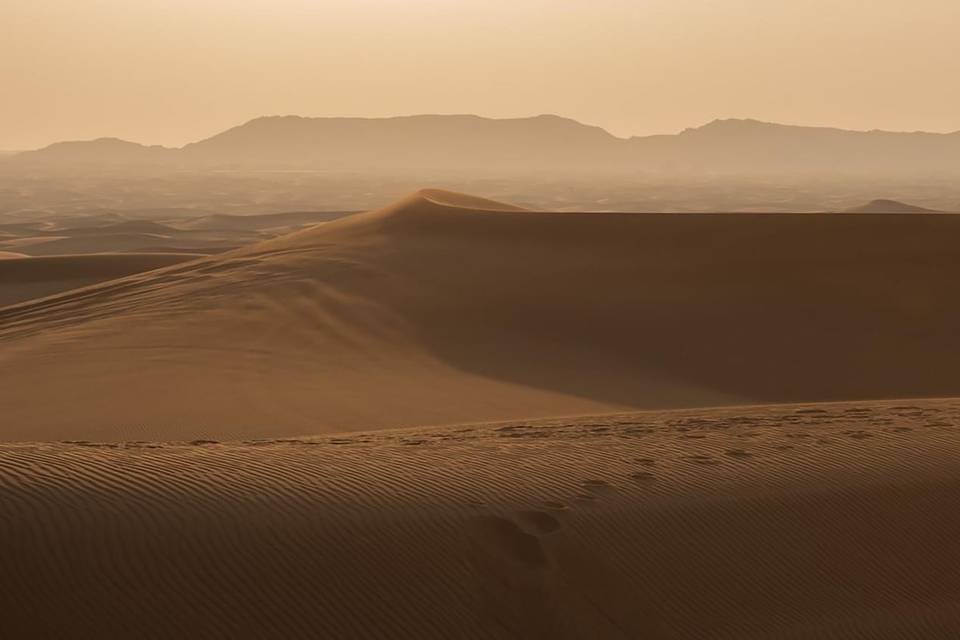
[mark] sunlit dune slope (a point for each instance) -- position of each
(444, 308)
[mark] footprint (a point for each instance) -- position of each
(701, 459)
(643, 476)
(556, 506)
(738, 453)
(506, 537)
(646, 462)
(539, 522)
(599, 486)
(512, 427)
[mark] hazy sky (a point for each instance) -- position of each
(172, 71)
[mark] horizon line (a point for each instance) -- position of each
(483, 117)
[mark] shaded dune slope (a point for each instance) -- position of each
(26, 278)
(444, 308)
(786, 522)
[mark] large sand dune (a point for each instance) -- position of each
(444, 309)
(219, 472)
(830, 521)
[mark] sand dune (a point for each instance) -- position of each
(86, 241)
(94, 243)
(169, 231)
(829, 521)
(443, 309)
(890, 206)
(27, 278)
(127, 226)
(219, 472)
(221, 222)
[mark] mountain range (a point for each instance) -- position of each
(535, 144)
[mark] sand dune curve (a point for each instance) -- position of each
(444, 309)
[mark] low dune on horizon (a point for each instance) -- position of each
(455, 417)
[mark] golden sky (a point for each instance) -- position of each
(173, 71)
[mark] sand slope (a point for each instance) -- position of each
(830, 521)
(27, 278)
(443, 309)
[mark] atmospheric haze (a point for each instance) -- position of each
(172, 72)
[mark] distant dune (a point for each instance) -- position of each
(889, 206)
(126, 226)
(171, 231)
(26, 278)
(444, 309)
(262, 222)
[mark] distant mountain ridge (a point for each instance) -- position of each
(101, 150)
(540, 143)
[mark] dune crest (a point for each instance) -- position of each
(462, 201)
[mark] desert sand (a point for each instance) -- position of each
(443, 309)
(816, 521)
(457, 418)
